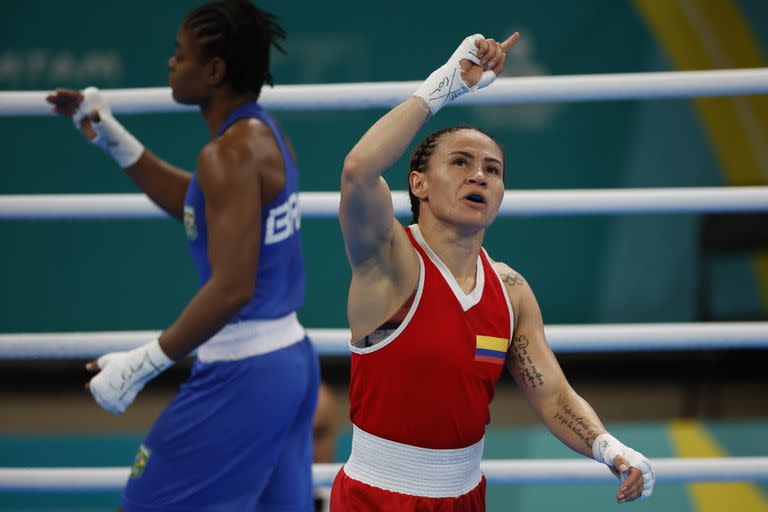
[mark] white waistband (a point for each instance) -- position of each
(251, 338)
(412, 470)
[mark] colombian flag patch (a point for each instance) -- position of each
(491, 350)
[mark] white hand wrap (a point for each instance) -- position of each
(111, 136)
(123, 374)
(445, 83)
(606, 448)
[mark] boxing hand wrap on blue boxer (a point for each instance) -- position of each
(123, 375)
(111, 136)
(606, 448)
(445, 83)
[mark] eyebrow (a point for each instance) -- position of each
(469, 155)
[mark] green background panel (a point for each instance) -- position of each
(128, 274)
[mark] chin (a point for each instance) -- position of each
(483, 223)
(473, 223)
(177, 96)
(184, 100)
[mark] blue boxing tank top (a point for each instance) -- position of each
(279, 288)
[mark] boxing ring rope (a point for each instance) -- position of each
(334, 342)
(497, 472)
(563, 338)
(326, 204)
(529, 89)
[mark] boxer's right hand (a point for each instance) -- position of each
(475, 64)
(92, 115)
(66, 102)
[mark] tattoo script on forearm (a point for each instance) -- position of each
(576, 424)
(523, 363)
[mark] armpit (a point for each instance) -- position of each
(386, 329)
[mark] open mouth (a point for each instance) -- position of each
(476, 198)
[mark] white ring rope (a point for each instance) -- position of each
(497, 472)
(562, 338)
(530, 89)
(326, 204)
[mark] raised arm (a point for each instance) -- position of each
(164, 183)
(569, 417)
(366, 215)
(384, 264)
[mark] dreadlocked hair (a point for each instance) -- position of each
(241, 35)
(421, 155)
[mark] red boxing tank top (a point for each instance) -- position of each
(430, 382)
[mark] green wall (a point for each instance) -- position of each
(94, 275)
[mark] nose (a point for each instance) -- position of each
(478, 177)
(171, 62)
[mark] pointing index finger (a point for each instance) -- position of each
(510, 41)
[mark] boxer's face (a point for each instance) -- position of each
(191, 74)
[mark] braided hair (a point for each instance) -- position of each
(241, 35)
(421, 155)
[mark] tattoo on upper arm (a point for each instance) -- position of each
(576, 424)
(523, 363)
(512, 278)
